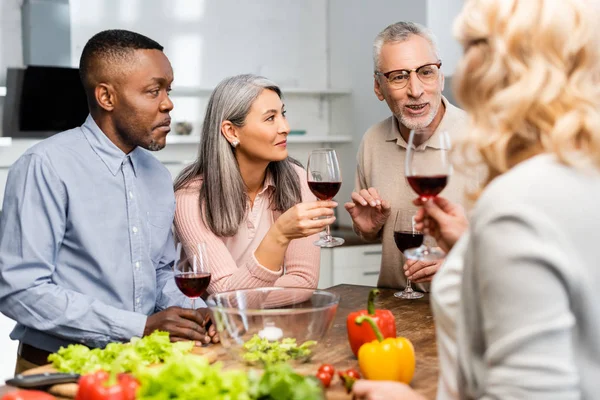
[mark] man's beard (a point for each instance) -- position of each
(410, 123)
(155, 146)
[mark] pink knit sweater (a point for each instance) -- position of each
(231, 259)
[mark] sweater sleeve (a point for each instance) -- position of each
(302, 258)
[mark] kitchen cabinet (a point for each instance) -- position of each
(355, 265)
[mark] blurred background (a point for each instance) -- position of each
(318, 51)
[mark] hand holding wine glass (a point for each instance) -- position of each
(324, 180)
(192, 273)
(427, 170)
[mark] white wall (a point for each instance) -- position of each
(440, 19)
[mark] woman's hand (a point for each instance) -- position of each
(442, 219)
(384, 390)
(301, 220)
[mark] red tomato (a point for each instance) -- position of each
(328, 369)
(325, 378)
(352, 373)
(28, 395)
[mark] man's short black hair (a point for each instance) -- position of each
(106, 49)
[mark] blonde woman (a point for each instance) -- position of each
(529, 313)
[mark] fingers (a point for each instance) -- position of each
(425, 273)
(367, 197)
(435, 212)
(195, 316)
(412, 266)
(318, 204)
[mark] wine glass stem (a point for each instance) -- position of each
(408, 286)
(327, 234)
(193, 304)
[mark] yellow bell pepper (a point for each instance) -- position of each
(392, 359)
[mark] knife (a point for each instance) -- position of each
(42, 380)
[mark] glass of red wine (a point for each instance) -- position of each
(192, 275)
(427, 169)
(325, 180)
(406, 237)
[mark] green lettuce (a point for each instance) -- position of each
(119, 357)
(272, 352)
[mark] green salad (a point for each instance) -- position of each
(272, 352)
(119, 357)
(193, 378)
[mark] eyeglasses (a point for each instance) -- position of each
(398, 79)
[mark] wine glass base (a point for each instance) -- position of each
(424, 254)
(408, 294)
(333, 242)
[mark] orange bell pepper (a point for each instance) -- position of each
(391, 359)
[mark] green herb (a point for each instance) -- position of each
(191, 378)
(119, 357)
(272, 352)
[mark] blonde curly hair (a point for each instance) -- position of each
(530, 80)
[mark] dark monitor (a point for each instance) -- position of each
(42, 101)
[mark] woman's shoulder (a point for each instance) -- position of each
(190, 189)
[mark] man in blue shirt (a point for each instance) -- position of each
(87, 250)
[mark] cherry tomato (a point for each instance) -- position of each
(352, 373)
(328, 369)
(27, 395)
(325, 378)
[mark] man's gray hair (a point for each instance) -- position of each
(400, 32)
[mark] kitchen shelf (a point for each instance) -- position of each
(206, 91)
(195, 139)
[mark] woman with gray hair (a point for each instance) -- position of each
(245, 198)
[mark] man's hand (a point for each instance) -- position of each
(368, 211)
(182, 324)
(384, 390)
(421, 271)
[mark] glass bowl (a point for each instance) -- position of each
(273, 324)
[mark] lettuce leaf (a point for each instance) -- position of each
(119, 357)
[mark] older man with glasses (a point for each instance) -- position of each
(408, 77)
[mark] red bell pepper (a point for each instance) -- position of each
(98, 386)
(361, 334)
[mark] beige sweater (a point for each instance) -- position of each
(380, 164)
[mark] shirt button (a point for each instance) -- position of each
(137, 265)
(134, 229)
(130, 194)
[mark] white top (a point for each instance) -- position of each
(529, 321)
(445, 301)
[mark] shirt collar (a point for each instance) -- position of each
(109, 153)
(394, 131)
(269, 183)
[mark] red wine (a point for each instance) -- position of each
(324, 190)
(428, 186)
(407, 240)
(192, 284)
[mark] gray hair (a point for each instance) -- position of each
(223, 196)
(400, 32)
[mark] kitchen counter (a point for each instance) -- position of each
(414, 321)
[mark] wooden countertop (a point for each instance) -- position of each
(414, 320)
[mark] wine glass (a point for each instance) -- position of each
(324, 180)
(406, 237)
(192, 275)
(427, 169)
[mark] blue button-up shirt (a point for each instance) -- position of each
(87, 249)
